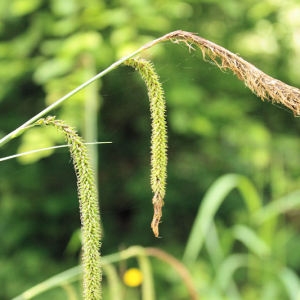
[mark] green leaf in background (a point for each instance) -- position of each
(20, 8)
(209, 206)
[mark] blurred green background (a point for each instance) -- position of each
(215, 124)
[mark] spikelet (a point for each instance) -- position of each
(158, 136)
(89, 208)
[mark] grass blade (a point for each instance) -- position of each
(251, 240)
(209, 206)
(280, 206)
(291, 283)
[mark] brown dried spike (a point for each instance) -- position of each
(263, 85)
(158, 203)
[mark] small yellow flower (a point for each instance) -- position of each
(133, 277)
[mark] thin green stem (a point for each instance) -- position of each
(260, 83)
(45, 149)
(92, 104)
(49, 108)
(68, 276)
(75, 273)
(148, 291)
(113, 281)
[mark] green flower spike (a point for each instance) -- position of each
(158, 136)
(89, 209)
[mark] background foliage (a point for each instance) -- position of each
(215, 124)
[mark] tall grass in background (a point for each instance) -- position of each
(244, 260)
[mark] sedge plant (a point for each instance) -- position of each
(263, 85)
